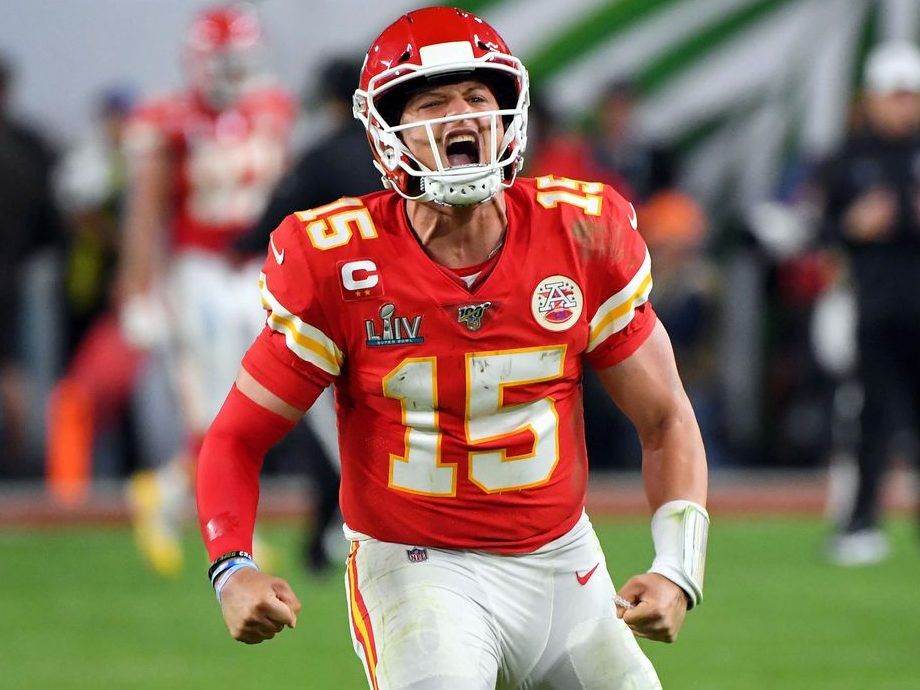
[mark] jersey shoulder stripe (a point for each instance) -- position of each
(307, 342)
(618, 310)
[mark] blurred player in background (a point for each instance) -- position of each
(203, 162)
(872, 215)
(337, 164)
(454, 313)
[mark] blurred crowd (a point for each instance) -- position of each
(795, 323)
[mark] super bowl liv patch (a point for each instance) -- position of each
(394, 329)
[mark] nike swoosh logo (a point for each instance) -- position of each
(633, 220)
(279, 256)
(583, 579)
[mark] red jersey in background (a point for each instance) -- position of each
(225, 163)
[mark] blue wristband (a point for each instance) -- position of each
(228, 573)
(224, 566)
(216, 563)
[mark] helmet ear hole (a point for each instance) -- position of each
(390, 158)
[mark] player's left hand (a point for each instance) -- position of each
(659, 607)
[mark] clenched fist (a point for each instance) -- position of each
(659, 607)
(257, 606)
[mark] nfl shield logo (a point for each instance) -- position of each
(417, 555)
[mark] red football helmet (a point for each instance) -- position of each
(224, 53)
(439, 42)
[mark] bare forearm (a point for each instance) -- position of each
(674, 460)
(648, 389)
(646, 386)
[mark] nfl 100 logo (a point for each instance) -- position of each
(470, 315)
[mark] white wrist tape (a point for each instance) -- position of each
(680, 530)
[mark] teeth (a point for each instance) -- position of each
(461, 138)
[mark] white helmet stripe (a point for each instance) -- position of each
(445, 53)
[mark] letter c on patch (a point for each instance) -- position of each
(359, 275)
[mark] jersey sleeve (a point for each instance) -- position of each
(619, 269)
(297, 350)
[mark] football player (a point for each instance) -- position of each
(453, 313)
(203, 164)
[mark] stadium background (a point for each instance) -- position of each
(743, 89)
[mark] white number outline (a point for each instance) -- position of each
(335, 229)
(590, 200)
(412, 461)
(486, 455)
(416, 456)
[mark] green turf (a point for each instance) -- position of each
(77, 610)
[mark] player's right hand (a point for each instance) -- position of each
(256, 606)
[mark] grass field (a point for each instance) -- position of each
(78, 611)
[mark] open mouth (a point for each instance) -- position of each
(462, 149)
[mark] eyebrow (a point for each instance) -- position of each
(439, 91)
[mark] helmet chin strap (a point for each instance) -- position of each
(463, 190)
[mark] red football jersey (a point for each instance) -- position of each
(459, 410)
(225, 164)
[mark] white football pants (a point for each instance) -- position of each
(437, 619)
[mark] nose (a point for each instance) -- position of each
(458, 105)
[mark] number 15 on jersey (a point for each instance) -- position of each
(420, 468)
